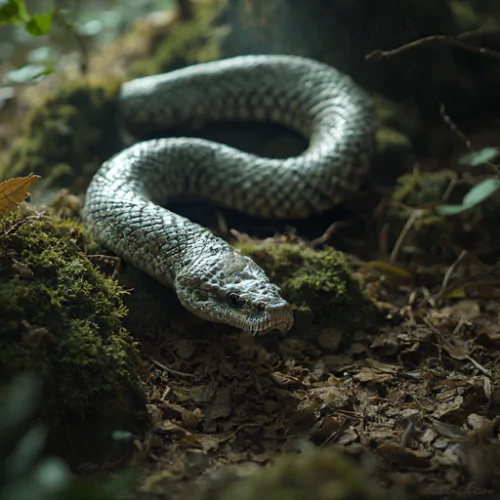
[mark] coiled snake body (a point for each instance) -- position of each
(125, 200)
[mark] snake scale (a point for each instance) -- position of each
(124, 207)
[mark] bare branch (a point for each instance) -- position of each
(457, 41)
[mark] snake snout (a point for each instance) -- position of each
(280, 315)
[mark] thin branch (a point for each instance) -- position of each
(452, 269)
(409, 224)
(330, 231)
(454, 128)
(170, 370)
(457, 41)
(61, 18)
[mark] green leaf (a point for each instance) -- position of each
(479, 157)
(39, 24)
(28, 73)
(451, 209)
(52, 474)
(476, 195)
(12, 11)
(481, 191)
(122, 435)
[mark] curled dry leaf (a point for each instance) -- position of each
(14, 191)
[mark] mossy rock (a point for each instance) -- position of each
(318, 284)
(63, 319)
(319, 475)
(68, 136)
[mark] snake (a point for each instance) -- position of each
(126, 204)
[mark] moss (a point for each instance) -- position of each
(322, 289)
(62, 318)
(417, 189)
(189, 42)
(68, 136)
(322, 475)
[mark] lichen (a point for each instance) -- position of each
(69, 135)
(318, 284)
(62, 318)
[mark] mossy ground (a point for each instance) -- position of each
(226, 399)
(63, 319)
(319, 285)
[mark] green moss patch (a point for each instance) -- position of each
(319, 284)
(62, 318)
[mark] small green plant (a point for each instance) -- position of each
(482, 190)
(15, 11)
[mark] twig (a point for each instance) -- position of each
(454, 128)
(170, 370)
(69, 26)
(377, 55)
(330, 231)
(409, 224)
(452, 269)
(19, 223)
(481, 368)
(108, 259)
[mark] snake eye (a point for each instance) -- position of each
(235, 300)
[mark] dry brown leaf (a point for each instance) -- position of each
(394, 274)
(14, 191)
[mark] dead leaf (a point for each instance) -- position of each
(14, 191)
(394, 274)
(369, 375)
(405, 458)
(222, 405)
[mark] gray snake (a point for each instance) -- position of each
(124, 207)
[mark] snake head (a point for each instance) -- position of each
(233, 289)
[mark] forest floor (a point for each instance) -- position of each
(388, 385)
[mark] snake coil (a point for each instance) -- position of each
(124, 206)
